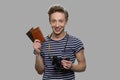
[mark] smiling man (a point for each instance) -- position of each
(56, 56)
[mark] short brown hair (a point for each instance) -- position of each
(57, 8)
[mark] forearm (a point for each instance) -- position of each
(81, 62)
(78, 67)
(39, 66)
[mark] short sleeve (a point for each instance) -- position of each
(78, 45)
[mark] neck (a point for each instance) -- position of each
(58, 36)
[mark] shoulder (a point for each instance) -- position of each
(46, 41)
(74, 39)
(76, 43)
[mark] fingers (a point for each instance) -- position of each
(67, 64)
(37, 45)
(36, 40)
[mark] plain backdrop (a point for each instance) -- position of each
(95, 22)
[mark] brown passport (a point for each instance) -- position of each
(35, 33)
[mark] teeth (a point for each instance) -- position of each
(57, 29)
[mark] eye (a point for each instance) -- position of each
(61, 21)
(53, 21)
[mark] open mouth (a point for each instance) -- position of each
(57, 29)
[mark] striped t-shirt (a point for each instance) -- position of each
(52, 48)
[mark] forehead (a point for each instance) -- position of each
(57, 15)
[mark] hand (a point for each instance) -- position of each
(66, 64)
(37, 46)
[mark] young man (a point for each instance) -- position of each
(56, 56)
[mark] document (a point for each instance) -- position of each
(35, 33)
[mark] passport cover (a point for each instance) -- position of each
(35, 33)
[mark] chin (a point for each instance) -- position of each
(57, 33)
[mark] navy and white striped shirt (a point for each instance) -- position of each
(73, 46)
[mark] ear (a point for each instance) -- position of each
(66, 22)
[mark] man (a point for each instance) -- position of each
(56, 56)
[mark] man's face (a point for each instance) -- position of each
(58, 22)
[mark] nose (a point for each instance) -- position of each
(57, 24)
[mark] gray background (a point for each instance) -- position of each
(95, 22)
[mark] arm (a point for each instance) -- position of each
(81, 66)
(39, 66)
